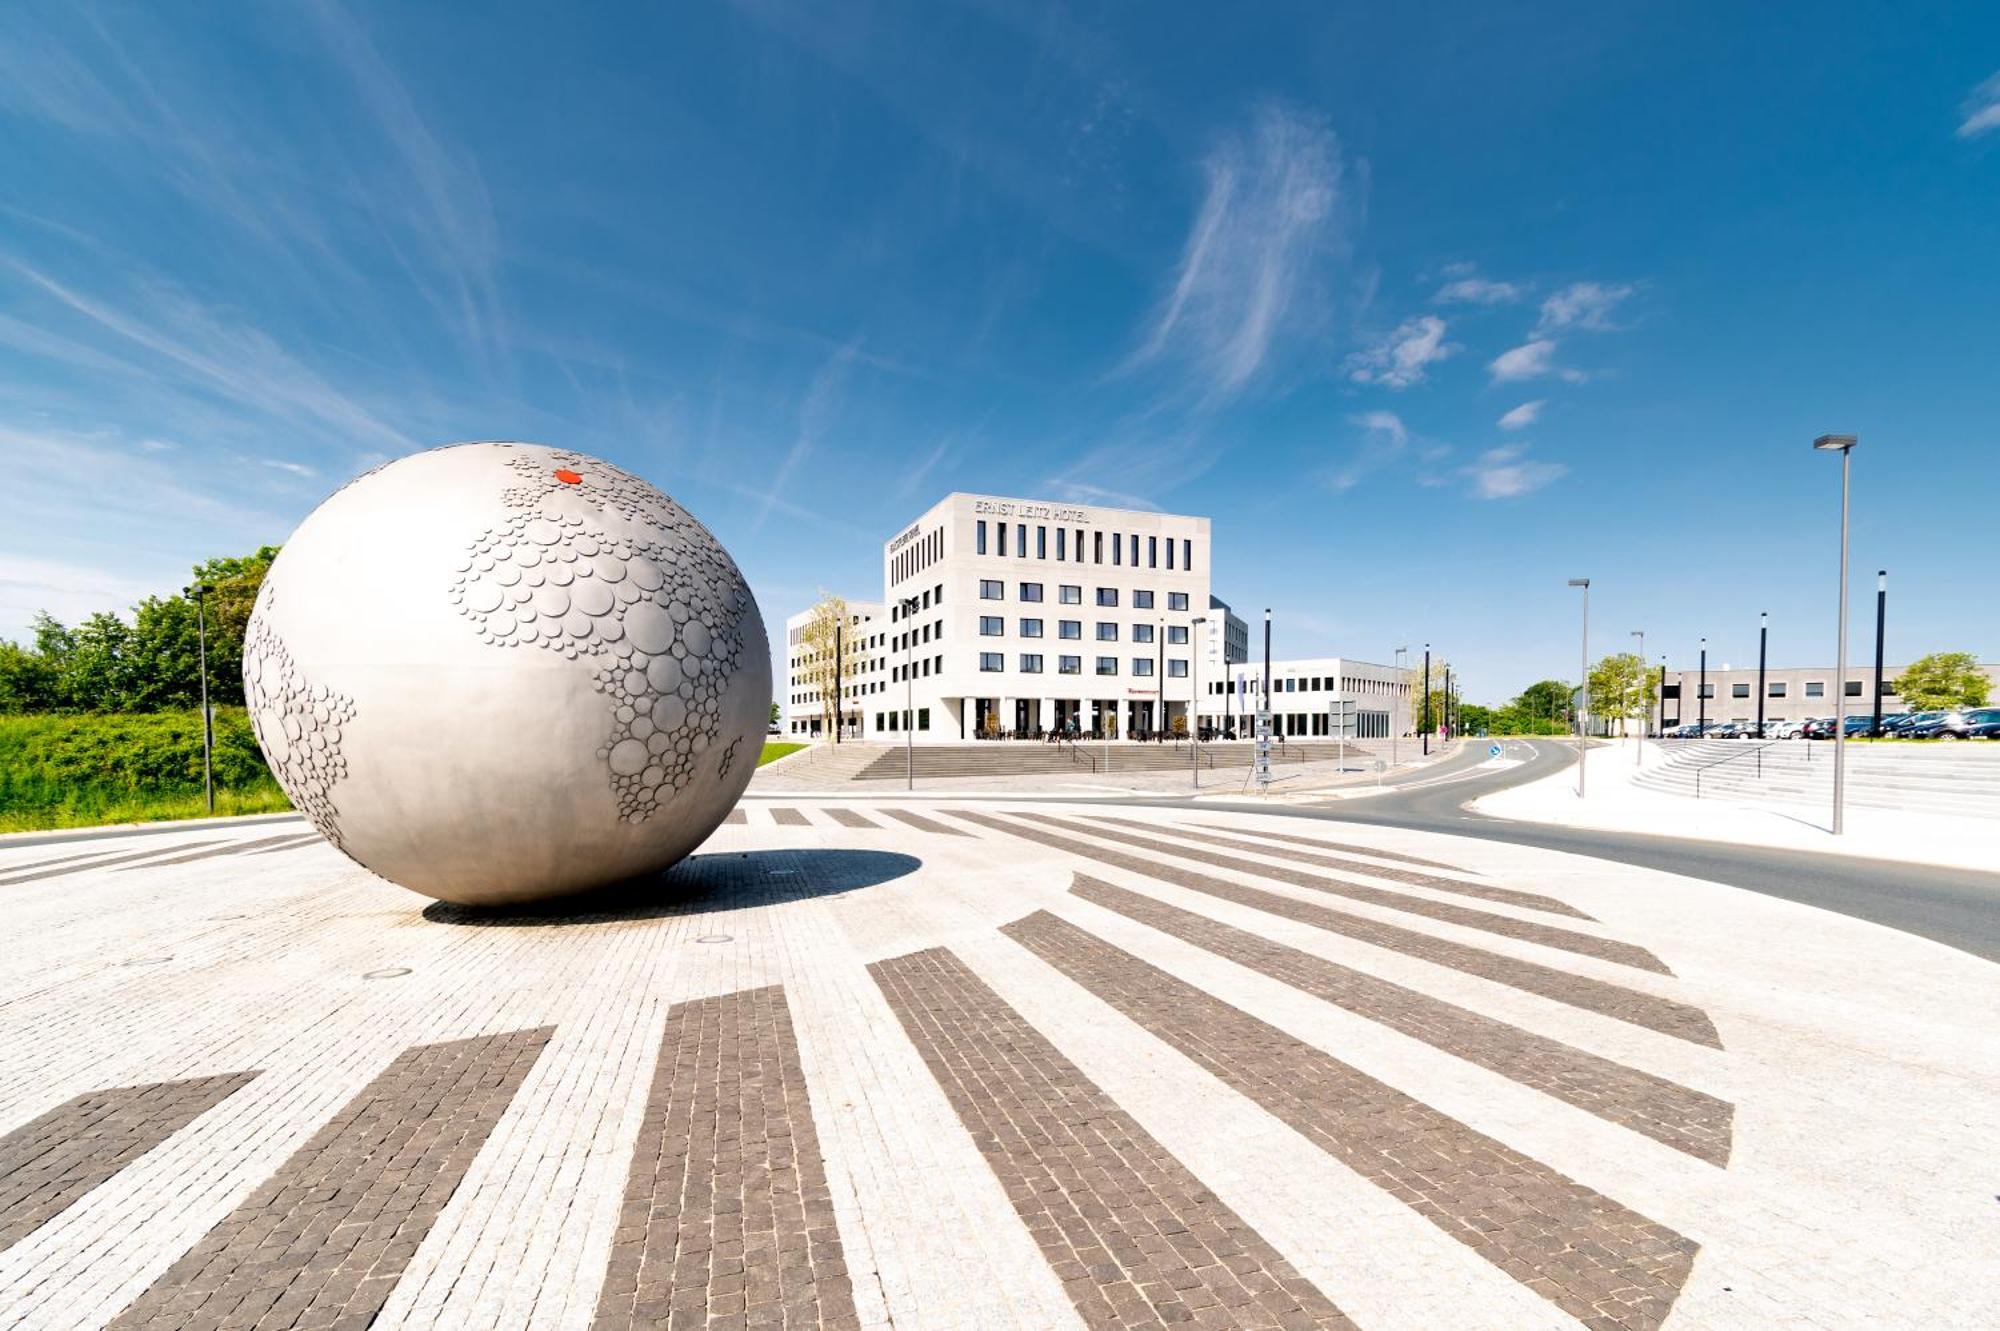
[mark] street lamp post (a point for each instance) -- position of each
(1639, 746)
(1194, 693)
(1403, 680)
(1881, 622)
(1583, 689)
(1701, 696)
(1662, 727)
(200, 591)
(839, 703)
(1842, 444)
(1424, 726)
(1763, 652)
(909, 700)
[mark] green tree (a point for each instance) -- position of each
(1620, 688)
(1543, 708)
(1944, 680)
(1474, 719)
(28, 683)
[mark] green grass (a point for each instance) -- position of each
(776, 750)
(84, 771)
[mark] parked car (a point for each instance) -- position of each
(1860, 725)
(1950, 725)
(1983, 723)
(1735, 730)
(1818, 727)
(1783, 729)
(1907, 722)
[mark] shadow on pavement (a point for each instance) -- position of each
(698, 885)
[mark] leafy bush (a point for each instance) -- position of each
(75, 770)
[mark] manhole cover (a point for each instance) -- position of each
(783, 873)
(387, 973)
(146, 961)
(716, 938)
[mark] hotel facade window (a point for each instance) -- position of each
(991, 589)
(1142, 665)
(1069, 665)
(1177, 601)
(1069, 628)
(1107, 596)
(992, 661)
(1142, 633)
(1142, 599)
(1031, 591)
(1031, 663)
(1177, 668)
(1107, 632)
(1107, 665)
(1177, 635)
(991, 626)
(1069, 594)
(1031, 628)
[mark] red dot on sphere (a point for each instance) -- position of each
(568, 477)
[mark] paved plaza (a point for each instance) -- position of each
(940, 1063)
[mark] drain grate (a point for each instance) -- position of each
(716, 938)
(387, 973)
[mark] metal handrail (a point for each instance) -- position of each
(1756, 750)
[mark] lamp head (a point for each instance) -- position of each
(1835, 443)
(1579, 582)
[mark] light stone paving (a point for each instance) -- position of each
(1858, 1064)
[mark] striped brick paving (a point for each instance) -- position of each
(1528, 931)
(1684, 1119)
(1315, 843)
(727, 1219)
(1641, 1009)
(48, 1164)
(1136, 1239)
(1060, 1103)
(1605, 1265)
(323, 1241)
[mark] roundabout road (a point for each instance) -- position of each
(1957, 907)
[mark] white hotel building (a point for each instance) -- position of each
(1018, 617)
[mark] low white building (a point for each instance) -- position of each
(863, 678)
(1303, 697)
(1020, 617)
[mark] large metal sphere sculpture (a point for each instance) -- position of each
(499, 672)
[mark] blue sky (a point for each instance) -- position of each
(1430, 310)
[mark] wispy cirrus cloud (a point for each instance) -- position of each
(817, 411)
(1981, 109)
(1524, 415)
(1384, 438)
(1272, 215)
(1508, 473)
(1472, 289)
(1582, 306)
(1399, 360)
(1534, 359)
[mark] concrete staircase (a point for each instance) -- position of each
(1033, 758)
(1960, 780)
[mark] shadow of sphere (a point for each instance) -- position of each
(700, 884)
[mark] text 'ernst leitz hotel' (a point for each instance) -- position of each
(1018, 618)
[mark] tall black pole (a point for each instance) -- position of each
(1881, 621)
(1662, 729)
(1267, 659)
(839, 709)
(200, 591)
(1763, 642)
(1446, 718)
(1701, 693)
(1426, 727)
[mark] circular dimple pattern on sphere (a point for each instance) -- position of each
(650, 611)
(500, 672)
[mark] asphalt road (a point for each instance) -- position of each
(1957, 907)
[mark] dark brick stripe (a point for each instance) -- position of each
(853, 818)
(324, 1240)
(1317, 844)
(789, 818)
(1666, 1111)
(101, 863)
(1605, 1265)
(922, 823)
(1506, 926)
(72, 858)
(1611, 1000)
(735, 816)
(295, 843)
(1505, 895)
(727, 1218)
(231, 848)
(48, 1164)
(1136, 1239)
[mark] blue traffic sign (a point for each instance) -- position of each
(1492, 750)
